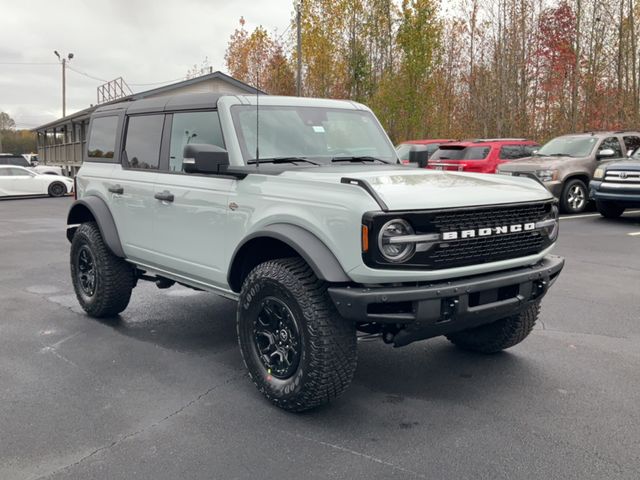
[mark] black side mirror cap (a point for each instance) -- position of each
(204, 158)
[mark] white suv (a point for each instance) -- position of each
(299, 210)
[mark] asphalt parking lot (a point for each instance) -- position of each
(161, 393)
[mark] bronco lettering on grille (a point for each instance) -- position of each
(487, 232)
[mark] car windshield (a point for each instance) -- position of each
(320, 134)
(568, 146)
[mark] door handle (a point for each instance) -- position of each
(117, 189)
(165, 196)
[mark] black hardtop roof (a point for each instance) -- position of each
(184, 101)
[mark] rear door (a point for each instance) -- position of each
(132, 186)
(190, 228)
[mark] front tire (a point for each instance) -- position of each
(574, 197)
(57, 189)
(609, 209)
(297, 349)
(499, 335)
(102, 281)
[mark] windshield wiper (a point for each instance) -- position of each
(363, 158)
(281, 160)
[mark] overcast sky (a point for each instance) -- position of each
(143, 41)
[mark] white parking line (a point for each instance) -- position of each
(571, 217)
(634, 234)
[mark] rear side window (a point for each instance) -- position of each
(192, 127)
(142, 144)
(631, 144)
(102, 139)
(511, 152)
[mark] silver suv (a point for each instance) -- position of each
(299, 210)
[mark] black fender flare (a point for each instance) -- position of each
(98, 209)
(317, 255)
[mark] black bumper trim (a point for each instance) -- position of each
(446, 307)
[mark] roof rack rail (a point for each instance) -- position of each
(480, 140)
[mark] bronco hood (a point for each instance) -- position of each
(415, 189)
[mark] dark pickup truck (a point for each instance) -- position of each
(616, 186)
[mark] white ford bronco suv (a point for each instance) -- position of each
(298, 209)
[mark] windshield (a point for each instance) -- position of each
(568, 146)
(320, 134)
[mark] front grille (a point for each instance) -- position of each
(622, 176)
(487, 249)
(468, 251)
(488, 217)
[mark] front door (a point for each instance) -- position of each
(191, 212)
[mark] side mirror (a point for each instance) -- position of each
(533, 152)
(421, 157)
(204, 158)
(606, 152)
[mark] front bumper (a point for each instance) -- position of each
(445, 307)
(603, 191)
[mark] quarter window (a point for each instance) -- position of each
(142, 145)
(102, 141)
(192, 127)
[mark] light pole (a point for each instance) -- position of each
(299, 48)
(63, 62)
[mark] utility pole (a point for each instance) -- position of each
(63, 62)
(299, 77)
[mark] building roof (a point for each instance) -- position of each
(155, 91)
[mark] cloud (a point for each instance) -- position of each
(143, 41)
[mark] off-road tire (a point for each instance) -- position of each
(328, 355)
(114, 278)
(57, 189)
(609, 209)
(499, 335)
(565, 197)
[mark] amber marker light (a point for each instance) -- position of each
(365, 238)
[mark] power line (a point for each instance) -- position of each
(28, 63)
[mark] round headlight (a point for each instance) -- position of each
(395, 251)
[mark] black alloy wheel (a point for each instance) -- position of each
(277, 338)
(57, 189)
(86, 271)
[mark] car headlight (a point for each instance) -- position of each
(396, 252)
(551, 223)
(547, 175)
(598, 174)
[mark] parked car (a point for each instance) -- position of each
(566, 164)
(19, 181)
(616, 186)
(21, 161)
(419, 151)
(318, 237)
(480, 156)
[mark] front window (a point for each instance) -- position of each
(320, 134)
(568, 147)
(192, 127)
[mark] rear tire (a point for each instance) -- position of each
(499, 335)
(314, 360)
(574, 197)
(102, 281)
(609, 209)
(57, 189)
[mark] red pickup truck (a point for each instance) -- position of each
(482, 155)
